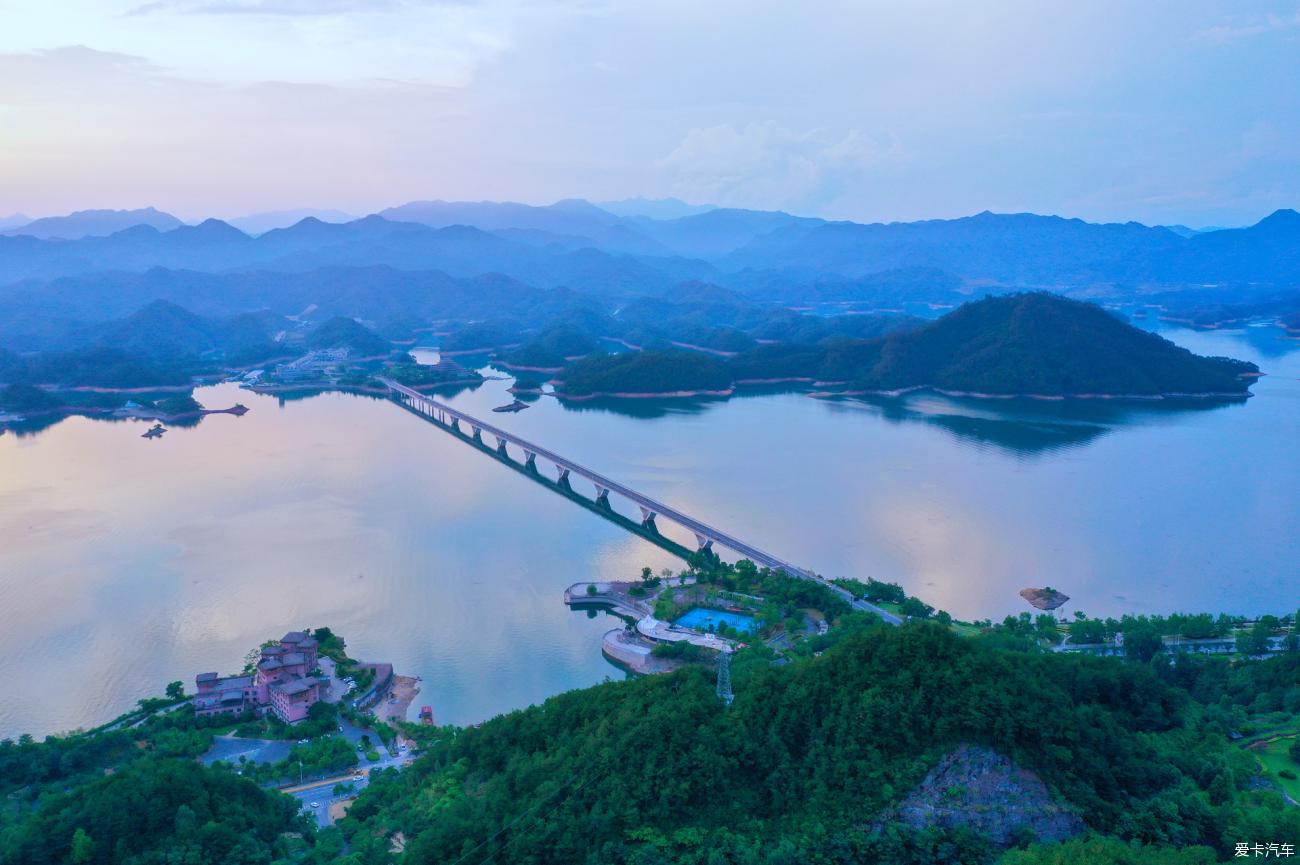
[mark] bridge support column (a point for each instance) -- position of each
(501, 447)
(562, 476)
(530, 461)
(455, 424)
(602, 496)
(648, 518)
(478, 434)
(705, 543)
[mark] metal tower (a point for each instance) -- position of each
(724, 678)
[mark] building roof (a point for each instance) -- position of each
(295, 686)
(293, 637)
(206, 677)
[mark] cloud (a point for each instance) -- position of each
(283, 7)
(764, 165)
(1246, 28)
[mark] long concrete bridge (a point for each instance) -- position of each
(565, 469)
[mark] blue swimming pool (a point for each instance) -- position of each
(700, 619)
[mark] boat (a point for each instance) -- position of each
(517, 405)
(154, 432)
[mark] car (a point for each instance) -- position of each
(340, 728)
(302, 741)
(315, 804)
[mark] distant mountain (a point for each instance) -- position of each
(312, 244)
(654, 208)
(344, 332)
(717, 233)
(566, 220)
(166, 332)
(13, 221)
(95, 223)
(260, 223)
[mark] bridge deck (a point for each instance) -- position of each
(427, 404)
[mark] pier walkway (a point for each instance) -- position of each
(566, 469)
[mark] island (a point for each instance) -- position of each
(1031, 345)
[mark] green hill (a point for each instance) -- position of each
(810, 762)
(1040, 343)
(652, 372)
(344, 332)
(1035, 343)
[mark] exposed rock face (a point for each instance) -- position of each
(978, 788)
(1044, 599)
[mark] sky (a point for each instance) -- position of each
(1162, 112)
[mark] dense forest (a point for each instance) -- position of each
(644, 372)
(807, 763)
(1034, 343)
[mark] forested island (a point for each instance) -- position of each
(1032, 344)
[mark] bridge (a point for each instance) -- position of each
(566, 470)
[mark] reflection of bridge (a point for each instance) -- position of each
(706, 536)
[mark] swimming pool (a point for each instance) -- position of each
(701, 619)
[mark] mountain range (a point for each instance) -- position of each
(577, 244)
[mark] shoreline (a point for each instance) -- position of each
(675, 394)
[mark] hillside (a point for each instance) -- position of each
(645, 372)
(813, 759)
(344, 332)
(1041, 343)
(88, 223)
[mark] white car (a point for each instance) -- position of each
(315, 804)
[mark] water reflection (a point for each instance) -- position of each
(138, 562)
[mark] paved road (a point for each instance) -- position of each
(321, 793)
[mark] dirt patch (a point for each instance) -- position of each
(978, 788)
(399, 699)
(339, 809)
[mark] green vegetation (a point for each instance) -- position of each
(317, 758)
(655, 770)
(552, 348)
(344, 332)
(424, 375)
(153, 811)
(28, 398)
(644, 372)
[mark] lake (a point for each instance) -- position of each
(126, 563)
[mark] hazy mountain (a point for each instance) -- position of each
(343, 331)
(654, 208)
(260, 223)
(164, 331)
(571, 218)
(13, 221)
(311, 244)
(716, 233)
(95, 223)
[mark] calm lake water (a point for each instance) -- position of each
(126, 563)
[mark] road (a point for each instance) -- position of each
(321, 793)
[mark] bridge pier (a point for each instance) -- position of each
(648, 518)
(562, 476)
(530, 460)
(602, 496)
(455, 424)
(706, 543)
(478, 434)
(501, 447)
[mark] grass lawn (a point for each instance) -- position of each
(1274, 758)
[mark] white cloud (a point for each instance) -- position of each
(1246, 28)
(763, 165)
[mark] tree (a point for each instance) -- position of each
(1142, 642)
(1255, 640)
(176, 690)
(83, 848)
(1294, 750)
